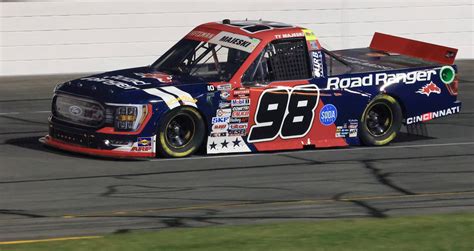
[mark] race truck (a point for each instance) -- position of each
(255, 86)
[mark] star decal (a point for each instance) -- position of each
(236, 142)
(213, 145)
(224, 144)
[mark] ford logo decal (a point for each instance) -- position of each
(75, 110)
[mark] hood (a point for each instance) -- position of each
(117, 86)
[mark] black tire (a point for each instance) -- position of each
(381, 121)
(181, 133)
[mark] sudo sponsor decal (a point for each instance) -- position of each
(239, 120)
(238, 126)
(285, 112)
(224, 87)
(118, 81)
(224, 104)
(220, 127)
(317, 64)
(144, 141)
(240, 102)
(429, 88)
(240, 114)
(328, 115)
(218, 134)
(200, 35)
(216, 120)
(241, 92)
(241, 108)
(160, 76)
(238, 132)
(224, 112)
(432, 115)
(144, 144)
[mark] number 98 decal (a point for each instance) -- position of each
(284, 111)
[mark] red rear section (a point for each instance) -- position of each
(413, 48)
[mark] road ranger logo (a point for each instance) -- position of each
(432, 115)
(383, 79)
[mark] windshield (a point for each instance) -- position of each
(211, 62)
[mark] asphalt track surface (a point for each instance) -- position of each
(46, 193)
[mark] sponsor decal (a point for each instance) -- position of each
(385, 79)
(239, 120)
(224, 104)
(289, 35)
(216, 120)
(200, 35)
(75, 110)
(238, 132)
(318, 64)
(238, 126)
(429, 88)
(240, 114)
(224, 94)
(235, 41)
(309, 34)
(241, 108)
(160, 76)
(128, 80)
(240, 102)
(106, 81)
(218, 134)
(141, 149)
(220, 127)
(353, 123)
(144, 144)
(432, 115)
(352, 132)
(342, 131)
(144, 141)
(313, 45)
(224, 87)
(241, 92)
(224, 112)
(328, 115)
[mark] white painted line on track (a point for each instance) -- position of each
(18, 113)
(319, 151)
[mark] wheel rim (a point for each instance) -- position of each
(378, 119)
(180, 131)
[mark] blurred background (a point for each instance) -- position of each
(56, 37)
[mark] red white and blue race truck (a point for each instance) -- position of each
(254, 86)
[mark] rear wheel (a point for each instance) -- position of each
(181, 133)
(381, 121)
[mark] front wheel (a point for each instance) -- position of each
(181, 133)
(381, 121)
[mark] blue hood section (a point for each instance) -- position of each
(126, 86)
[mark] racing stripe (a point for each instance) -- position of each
(169, 99)
(183, 96)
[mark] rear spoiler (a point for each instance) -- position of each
(413, 48)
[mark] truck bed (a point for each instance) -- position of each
(369, 60)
